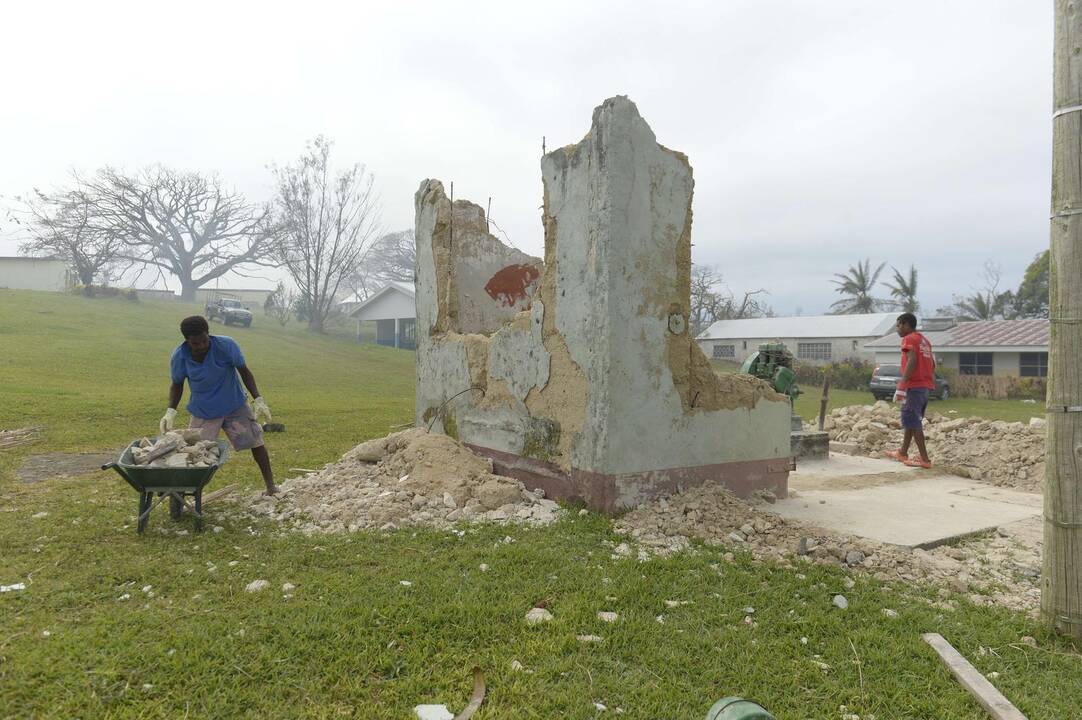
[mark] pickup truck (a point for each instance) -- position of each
(228, 311)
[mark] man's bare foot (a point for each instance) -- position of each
(272, 490)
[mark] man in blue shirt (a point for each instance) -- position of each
(211, 364)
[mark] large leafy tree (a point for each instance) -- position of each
(904, 290)
(856, 286)
(1031, 298)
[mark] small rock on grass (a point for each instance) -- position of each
(288, 587)
(516, 666)
(609, 617)
(433, 712)
(538, 615)
(256, 586)
(840, 602)
(890, 613)
(588, 638)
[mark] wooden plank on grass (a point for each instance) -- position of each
(970, 678)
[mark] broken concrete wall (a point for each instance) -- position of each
(598, 389)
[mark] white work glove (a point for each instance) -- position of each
(166, 423)
(899, 396)
(259, 407)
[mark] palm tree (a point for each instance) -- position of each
(975, 307)
(857, 286)
(904, 290)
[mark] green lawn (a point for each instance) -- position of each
(353, 641)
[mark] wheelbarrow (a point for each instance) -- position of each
(173, 483)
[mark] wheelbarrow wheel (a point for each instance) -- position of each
(176, 507)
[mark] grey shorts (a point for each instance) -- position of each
(240, 427)
(916, 402)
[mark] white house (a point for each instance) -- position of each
(35, 273)
(393, 309)
(997, 348)
(815, 339)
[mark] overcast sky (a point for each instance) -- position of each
(820, 132)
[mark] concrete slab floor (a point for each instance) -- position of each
(885, 501)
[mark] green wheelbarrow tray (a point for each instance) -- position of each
(172, 483)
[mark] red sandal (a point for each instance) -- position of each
(897, 455)
(917, 462)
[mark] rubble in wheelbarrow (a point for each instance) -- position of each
(411, 478)
(177, 449)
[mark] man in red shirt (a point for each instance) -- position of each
(918, 378)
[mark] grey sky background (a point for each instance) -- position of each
(821, 132)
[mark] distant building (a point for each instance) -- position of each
(815, 339)
(998, 348)
(252, 297)
(393, 311)
(36, 273)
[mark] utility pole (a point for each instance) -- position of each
(1061, 579)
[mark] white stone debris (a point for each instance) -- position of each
(288, 587)
(177, 449)
(840, 602)
(516, 666)
(12, 588)
(433, 712)
(609, 617)
(407, 479)
(538, 615)
(256, 586)
(588, 638)
(1009, 454)
(39, 515)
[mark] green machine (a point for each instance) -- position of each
(773, 363)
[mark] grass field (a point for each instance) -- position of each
(84, 639)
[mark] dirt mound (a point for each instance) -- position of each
(1003, 569)
(412, 478)
(1010, 454)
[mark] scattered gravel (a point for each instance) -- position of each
(1001, 569)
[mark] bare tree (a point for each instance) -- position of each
(327, 221)
(985, 303)
(61, 225)
(391, 258)
(280, 304)
(711, 300)
(180, 222)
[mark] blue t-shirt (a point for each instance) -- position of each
(213, 384)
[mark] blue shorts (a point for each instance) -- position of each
(916, 402)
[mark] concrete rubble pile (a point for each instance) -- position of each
(411, 478)
(1001, 570)
(1002, 453)
(177, 449)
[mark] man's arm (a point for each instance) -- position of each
(176, 391)
(248, 379)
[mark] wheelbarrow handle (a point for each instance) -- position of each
(109, 466)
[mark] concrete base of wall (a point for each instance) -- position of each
(809, 444)
(609, 493)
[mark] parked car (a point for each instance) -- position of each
(229, 311)
(885, 381)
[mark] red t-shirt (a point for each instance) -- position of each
(916, 348)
